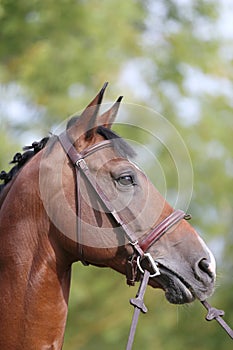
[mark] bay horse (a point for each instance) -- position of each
(79, 197)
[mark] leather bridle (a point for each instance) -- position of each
(134, 270)
(140, 246)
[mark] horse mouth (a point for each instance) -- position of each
(177, 290)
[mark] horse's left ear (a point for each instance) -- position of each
(107, 118)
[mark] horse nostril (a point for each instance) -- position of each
(204, 266)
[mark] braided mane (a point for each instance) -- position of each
(20, 159)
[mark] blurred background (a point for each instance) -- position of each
(174, 56)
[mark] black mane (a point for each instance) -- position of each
(20, 159)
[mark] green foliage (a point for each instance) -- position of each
(58, 53)
(60, 49)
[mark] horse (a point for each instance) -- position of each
(79, 196)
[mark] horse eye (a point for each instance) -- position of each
(126, 180)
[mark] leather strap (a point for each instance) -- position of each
(139, 306)
(216, 314)
(161, 229)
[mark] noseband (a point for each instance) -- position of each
(140, 246)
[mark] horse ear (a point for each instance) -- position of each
(86, 124)
(90, 114)
(107, 118)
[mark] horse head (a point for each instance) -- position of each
(88, 230)
(80, 197)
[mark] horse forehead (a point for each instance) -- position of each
(107, 160)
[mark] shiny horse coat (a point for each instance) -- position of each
(39, 240)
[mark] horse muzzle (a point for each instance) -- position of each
(182, 284)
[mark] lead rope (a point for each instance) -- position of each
(138, 302)
(216, 314)
(139, 306)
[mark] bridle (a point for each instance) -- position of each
(141, 246)
(134, 270)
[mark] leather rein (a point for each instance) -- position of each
(134, 270)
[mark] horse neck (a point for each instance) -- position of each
(34, 274)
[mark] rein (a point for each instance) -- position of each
(134, 270)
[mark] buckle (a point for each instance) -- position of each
(152, 262)
(81, 164)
